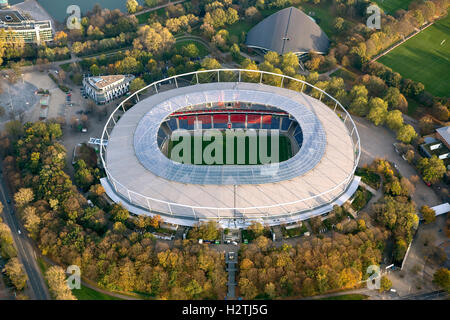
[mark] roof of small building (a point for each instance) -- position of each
(288, 30)
(103, 81)
(445, 133)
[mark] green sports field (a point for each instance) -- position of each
(390, 6)
(425, 58)
(285, 150)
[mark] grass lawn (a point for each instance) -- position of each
(345, 74)
(203, 50)
(347, 297)
(390, 6)
(368, 177)
(285, 150)
(323, 16)
(244, 25)
(86, 293)
(294, 232)
(143, 17)
(425, 58)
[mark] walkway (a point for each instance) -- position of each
(231, 260)
(156, 8)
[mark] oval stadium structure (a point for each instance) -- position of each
(318, 156)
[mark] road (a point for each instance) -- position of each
(25, 251)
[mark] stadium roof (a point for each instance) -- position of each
(148, 153)
(135, 179)
(288, 30)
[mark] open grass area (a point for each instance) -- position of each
(143, 17)
(323, 16)
(294, 232)
(244, 25)
(425, 58)
(285, 150)
(86, 293)
(391, 6)
(345, 74)
(203, 50)
(347, 297)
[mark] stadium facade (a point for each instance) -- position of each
(318, 175)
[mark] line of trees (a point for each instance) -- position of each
(312, 267)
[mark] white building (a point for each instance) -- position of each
(17, 27)
(103, 89)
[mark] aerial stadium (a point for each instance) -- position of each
(310, 170)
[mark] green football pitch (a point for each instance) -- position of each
(425, 58)
(285, 150)
(391, 6)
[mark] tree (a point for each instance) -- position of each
(378, 111)
(16, 273)
(257, 229)
(428, 214)
(442, 278)
(339, 23)
(151, 3)
(400, 250)
(154, 38)
(395, 99)
(190, 50)
(406, 133)
(136, 85)
(210, 63)
(394, 120)
(32, 221)
(385, 284)
(132, 6)
(23, 197)
(432, 169)
(83, 176)
(57, 284)
(119, 213)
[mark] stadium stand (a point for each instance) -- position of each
(285, 124)
(237, 121)
(266, 121)
(254, 121)
(220, 121)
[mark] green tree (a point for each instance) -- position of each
(210, 63)
(385, 284)
(151, 3)
(119, 213)
(378, 111)
(428, 214)
(339, 24)
(136, 85)
(432, 169)
(394, 120)
(406, 133)
(132, 6)
(442, 278)
(190, 50)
